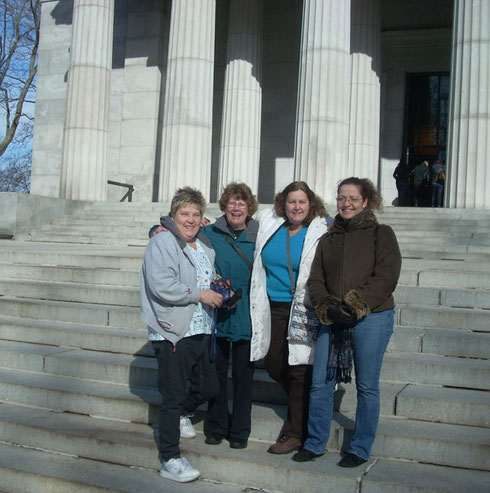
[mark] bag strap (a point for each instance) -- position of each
(240, 252)
(290, 266)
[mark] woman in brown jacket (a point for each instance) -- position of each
(353, 276)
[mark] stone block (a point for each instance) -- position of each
(444, 405)
(436, 370)
(140, 105)
(453, 318)
(408, 477)
(138, 133)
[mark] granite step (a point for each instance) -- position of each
(436, 316)
(124, 295)
(133, 443)
(28, 470)
(139, 403)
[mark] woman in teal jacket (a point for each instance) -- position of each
(233, 239)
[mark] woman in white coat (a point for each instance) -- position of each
(284, 323)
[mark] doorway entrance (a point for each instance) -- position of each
(426, 118)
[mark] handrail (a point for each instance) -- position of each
(128, 194)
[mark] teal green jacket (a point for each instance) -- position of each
(234, 324)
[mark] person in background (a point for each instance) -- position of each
(354, 273)
(233, 238)
(420, 183)
(437, 180)
(284, 323)
(177, 306)
(401, 176)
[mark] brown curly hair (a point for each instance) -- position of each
(241, 192)
(367, 190)
(317, 208)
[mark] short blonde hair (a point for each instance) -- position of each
(187, 196)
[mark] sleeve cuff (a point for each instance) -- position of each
(354, 300)
(322, 307)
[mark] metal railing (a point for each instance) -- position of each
(128, 194)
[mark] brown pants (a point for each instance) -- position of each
(295, 380)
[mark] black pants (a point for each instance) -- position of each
(219, 422)
(186, 379)
(294, 379)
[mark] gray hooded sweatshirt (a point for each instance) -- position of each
(168, 289)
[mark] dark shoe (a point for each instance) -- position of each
(238, 443)
(285, 445)
(213, 440)
(351, 460)
(305, 455)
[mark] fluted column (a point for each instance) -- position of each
(322, 123)
(188, 119)
(242, 98)
(365, 90)
(469, 130)
(84, 166)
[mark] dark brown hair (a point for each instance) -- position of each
(242, 192)
(368, 191)
(317, 208)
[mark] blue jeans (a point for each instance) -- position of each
(371, 337)
(437, 189)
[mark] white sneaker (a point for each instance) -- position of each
(179, 470)
(186, 428)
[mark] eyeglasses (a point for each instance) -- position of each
(237, 205)
(352, 200)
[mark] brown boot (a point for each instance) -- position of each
(284, 445)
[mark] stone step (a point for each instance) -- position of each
(82, 274)
(436, 370)
(69, 334)
(69, 291)
(133, 444)
(452, 297)
(140, 403)
(138, 370)
(85, 227)
(99, 269)
(96, 260)
(446, 342)
(123, 295)
(26, 470)
(452, 318)
(83, 313)
(29, 470)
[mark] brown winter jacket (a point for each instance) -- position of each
(359, 266)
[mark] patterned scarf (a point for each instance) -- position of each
(341, 353)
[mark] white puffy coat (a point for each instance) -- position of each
(269, 222)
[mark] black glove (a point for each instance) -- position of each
(342, 314)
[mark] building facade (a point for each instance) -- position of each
(160, 94)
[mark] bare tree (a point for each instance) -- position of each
(15, 173)
(19, 41)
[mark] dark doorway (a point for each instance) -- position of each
(426, 117)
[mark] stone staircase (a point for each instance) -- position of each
(78, 395)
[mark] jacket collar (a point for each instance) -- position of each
(252, 227)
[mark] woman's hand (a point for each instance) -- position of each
(342, 314)
(211, 298)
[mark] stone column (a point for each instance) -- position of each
(322, 122)
(468, 166)
(365, 90)
(242, 102)
(84, 164)
(188, 118)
